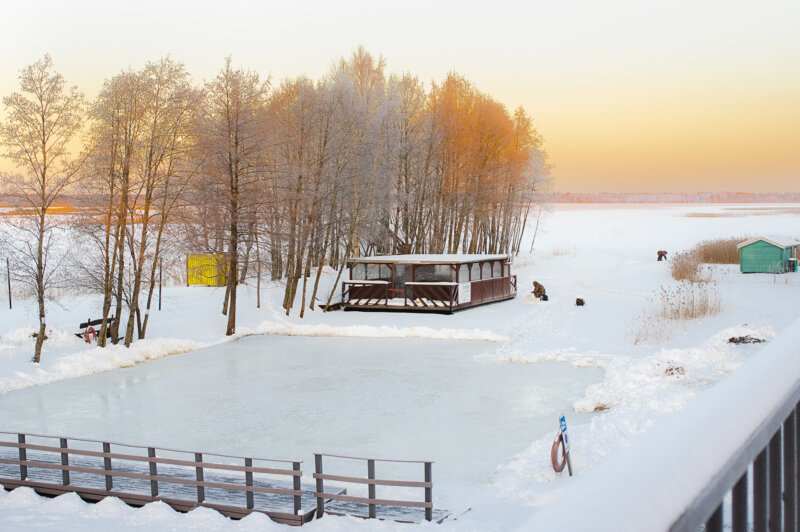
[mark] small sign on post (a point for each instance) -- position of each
(563, 422)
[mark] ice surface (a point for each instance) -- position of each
(287, 397)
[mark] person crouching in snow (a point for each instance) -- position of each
(662, 255)
(539, 291)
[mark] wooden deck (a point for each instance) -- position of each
(426, 297)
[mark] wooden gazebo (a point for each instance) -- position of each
(442, 283)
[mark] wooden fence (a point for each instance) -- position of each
(233, 485)
(352, 505)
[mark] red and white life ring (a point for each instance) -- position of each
(90, 332)
(558, 465)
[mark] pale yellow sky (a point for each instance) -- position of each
(629, 95)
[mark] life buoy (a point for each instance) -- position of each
(90, 332)
(558, 466)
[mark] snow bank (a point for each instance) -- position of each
(623, 493)
(88, 361)
(369, 331)
(69, 512)
(635, 393)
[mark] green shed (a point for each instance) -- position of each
(768, 254)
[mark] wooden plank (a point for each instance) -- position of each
(173, 480)
(159, 460)
(377, 482)
(380, 502)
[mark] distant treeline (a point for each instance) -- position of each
(672, 197)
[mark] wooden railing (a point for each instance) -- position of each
(232, 485)
(371, 500)
(431, 295)
(367, 292)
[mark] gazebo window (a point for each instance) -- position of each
(378, 272)
(486, 270)
(463, 273)
(476, 272)
(497, 269)
(359, 271)
(434, 273)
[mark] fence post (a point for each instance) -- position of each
(151, 452)
(797, 452)
(760, 492)
(789, 463)
(297, 487)
(714, 523)
(107, 466)
(739, 505)
(23, 457)
(248, 481)
(774, 481)
(64, 462)
(201, 491)
(371, 487)
(320, 487)
(428, 491)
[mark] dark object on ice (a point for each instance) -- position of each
(674, 370)
(745, 340)
(544, 298)
(662, 255)
(580, 302)
(539, 291)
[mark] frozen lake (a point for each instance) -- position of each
(287, 397)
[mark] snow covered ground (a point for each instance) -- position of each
(604, 254)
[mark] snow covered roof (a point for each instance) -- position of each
(444, 258)
(777, 240)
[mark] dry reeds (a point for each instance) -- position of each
(688, 301)
(671, 307)
(686, 266)
(719, 250)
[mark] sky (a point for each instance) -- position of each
(630, 96)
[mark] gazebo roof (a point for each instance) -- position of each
(444, 258)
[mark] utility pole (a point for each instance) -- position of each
(8, 276)
(160, 267)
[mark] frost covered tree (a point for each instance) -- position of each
(42, 120)
(231, 148)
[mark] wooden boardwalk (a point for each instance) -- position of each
(233, 485)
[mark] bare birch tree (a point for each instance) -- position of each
(43, 118)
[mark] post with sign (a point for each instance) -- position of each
(563, 422)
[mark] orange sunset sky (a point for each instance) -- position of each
(629, 95)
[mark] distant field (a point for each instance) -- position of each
(736, 212)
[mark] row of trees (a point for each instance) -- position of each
(284, 177)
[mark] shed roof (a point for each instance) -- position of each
(442, 258)
(776, 240)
